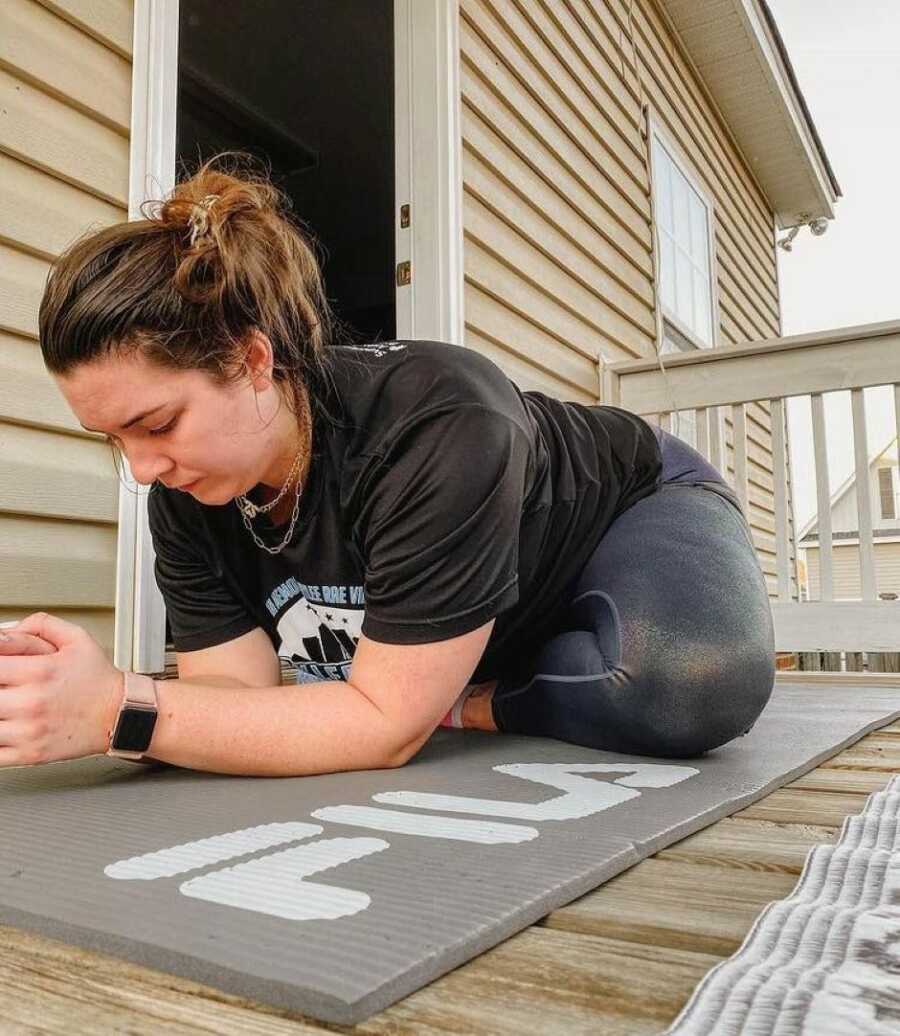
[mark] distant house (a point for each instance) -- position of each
(884, 498)
(547, 183)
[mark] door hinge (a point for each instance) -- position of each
(404, 215)
(404, 273)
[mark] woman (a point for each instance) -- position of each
(420, 537)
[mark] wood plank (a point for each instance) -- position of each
(756, 845)
(824, 778)
(574, 983)
(801, 806)
(691, 906)
(876, 751)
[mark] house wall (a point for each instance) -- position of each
(65, 95)
(847, 583)
(558, 244)
(844, 514)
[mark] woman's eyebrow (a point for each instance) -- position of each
(128, 424)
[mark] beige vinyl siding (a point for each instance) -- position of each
(65, 97)
(847, 583)
(556, 202)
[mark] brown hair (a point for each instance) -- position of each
(220, 256)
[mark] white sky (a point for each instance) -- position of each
(847, 60)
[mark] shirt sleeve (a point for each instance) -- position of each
(202, 611)
(439, 530)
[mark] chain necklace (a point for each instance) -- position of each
(250, 510)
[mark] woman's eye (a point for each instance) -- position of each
(162, 431)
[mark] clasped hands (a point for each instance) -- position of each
(59, 693)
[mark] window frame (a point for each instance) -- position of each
(892, 494)
(656, 129)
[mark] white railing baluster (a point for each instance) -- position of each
(665, 421)
(702, 420)
(716, 445)
(782, 561)
(823, 500)
(897, 423)
(739, 426)
(863, 498)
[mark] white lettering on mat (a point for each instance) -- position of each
(583, 797)
(276, 884)
(424, 826)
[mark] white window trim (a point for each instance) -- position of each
(428, 165)
(656, 128)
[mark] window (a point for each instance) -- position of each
(684, 218)
(683, 222)
(886, 492)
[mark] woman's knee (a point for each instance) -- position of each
(702, 703)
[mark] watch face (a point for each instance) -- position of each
(134, 730)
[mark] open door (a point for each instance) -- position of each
(354, 104)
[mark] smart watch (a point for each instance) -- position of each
(134, 725)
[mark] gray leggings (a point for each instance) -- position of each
(668, 647)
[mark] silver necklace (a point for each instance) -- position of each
(250, 510)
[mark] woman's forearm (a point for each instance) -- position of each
(285, 731)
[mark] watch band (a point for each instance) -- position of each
(140, 697)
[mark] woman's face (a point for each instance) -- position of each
(179, 427)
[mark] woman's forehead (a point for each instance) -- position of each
(111, 393)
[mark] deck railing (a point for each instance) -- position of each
(772, 371)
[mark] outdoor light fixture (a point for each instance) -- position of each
(817, 226)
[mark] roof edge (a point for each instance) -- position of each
(801, 100)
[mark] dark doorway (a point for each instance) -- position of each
(308, 86)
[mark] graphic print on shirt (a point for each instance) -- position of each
(318, 633)
(378, 348)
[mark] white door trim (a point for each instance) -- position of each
(429, 168)
(140, 615)
(428, 164)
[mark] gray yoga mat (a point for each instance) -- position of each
(338, 894)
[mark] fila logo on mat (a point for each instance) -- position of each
(277, 884)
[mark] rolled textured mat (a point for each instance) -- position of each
(338, 894)
(825, 961)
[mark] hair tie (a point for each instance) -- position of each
(198, 221)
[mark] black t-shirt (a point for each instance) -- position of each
(439, 496)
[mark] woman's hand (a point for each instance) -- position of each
(59, 694)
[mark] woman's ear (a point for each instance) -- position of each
(258, 360)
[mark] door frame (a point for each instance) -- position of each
(428, 177)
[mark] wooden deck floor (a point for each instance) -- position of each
(623, 959)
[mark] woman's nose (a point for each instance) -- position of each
(147, 466)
